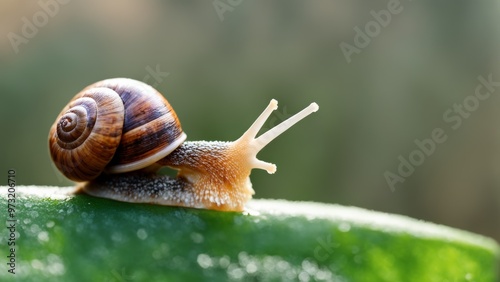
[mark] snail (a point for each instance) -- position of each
(115, 134)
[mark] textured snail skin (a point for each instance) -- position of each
(212, 175)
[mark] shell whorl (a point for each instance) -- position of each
(115, 125)
(86, 134)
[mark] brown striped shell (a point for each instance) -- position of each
(115, 125)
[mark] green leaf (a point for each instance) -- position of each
(61, 237)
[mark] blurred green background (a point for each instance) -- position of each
(225, 65)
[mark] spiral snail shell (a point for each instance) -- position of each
(114, 134)
(117, 125)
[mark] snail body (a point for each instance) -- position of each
(116, 133)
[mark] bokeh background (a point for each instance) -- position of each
(224, 66)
